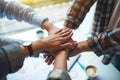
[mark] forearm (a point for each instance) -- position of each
(60, 67)
(83, 46)
(61, 60)
(49, 26)
(37, 45)
(77, 12)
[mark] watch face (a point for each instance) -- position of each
(28, 43)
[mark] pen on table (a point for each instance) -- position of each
(82, 66)
(74, 62)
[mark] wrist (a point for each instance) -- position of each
(61, 60)
(63, 53)
(38, 45)
(47, 25)
(65, 27)
(28, 48)
(25, 50)
(83, 46)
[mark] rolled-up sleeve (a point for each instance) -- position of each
(77, 12)
(20, 12)
(11, 59)
(106, 42)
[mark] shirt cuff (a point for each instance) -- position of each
(38, 20)
(15, 56)
(94, 46)
(71, 24)
(58, 74)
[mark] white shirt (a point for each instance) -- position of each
(20, 12)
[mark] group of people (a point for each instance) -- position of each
(59, 46)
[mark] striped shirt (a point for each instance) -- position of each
(102, 40)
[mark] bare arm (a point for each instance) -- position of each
(61, 60)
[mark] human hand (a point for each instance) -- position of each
(58, 40)
(49, 59)
(51, 29)
(74, 52)
(50, 56)
(81, 47)
(58, 56)
(70, 40)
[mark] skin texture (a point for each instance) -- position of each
(49, 58)
(61, 60)
(55, 41)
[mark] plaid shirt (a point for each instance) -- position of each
(102, 41)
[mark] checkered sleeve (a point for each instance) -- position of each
(106, 42)
(77, 12)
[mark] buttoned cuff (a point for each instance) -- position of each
(38, 20)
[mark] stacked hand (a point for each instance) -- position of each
(65, 43)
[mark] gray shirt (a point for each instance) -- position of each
(58, 74)
(11, 59)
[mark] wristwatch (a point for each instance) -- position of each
(28, 45)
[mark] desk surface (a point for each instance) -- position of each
(106, 72)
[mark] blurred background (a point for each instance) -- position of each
(55, 10)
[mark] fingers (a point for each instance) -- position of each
(66, 45)
(60, 30)
(75, 43)
(66, 38)
(66, 32)
(49, 59)
(69, 45)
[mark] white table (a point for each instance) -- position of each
(106, 72)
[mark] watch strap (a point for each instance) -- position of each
(30, 50)
(28, 45)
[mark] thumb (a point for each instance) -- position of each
(67, 45)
